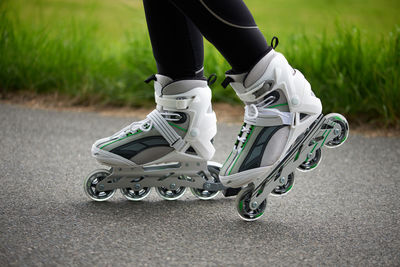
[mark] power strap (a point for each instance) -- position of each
(166, 130)
(173, 102)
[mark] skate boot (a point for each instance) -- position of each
(283, 130)
(169, 150)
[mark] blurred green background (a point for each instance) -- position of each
(98, 52)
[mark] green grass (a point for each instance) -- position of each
(98, 51)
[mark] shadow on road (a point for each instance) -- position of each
(205, 218)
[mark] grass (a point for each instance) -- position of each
(101, 53)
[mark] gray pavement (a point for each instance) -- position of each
(344, 213)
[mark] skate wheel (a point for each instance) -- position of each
(311, 164)
(204, 194)
(135, 195)
(344, 132)
(243, 205)
(282, 190)
(89, 185)
(170, 194)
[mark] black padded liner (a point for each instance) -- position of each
(133, 148)
(253, 159)
(303, 115)
(191, 151)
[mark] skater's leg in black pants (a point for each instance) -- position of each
(227, 24)
(177, 43)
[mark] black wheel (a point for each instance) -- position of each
(285, 188)
(344, 132)
(170, 194)
(205, 194)
(311, 164)
(89, 185)
(135, 195)
(243, 205)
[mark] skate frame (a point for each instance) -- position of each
(170, 175)
(303, 150)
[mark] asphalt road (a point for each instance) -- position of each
(344, 213)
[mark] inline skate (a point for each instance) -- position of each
(283, 130)
(169, 150)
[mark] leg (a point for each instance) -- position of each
(176, 41)
(230, 27)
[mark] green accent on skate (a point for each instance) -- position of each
(290, 187)
(241, 205)
(314, 147)
(344, 139)
(279, 105)
(244, 145)
(176, 126)
(258, 215)
(297, 155)
(260, 191)
(313, 166)
(130, 134)
(227, 159)
(336, 117)
(326, 137)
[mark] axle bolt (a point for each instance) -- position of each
(282, 180)
(254, 204)
(336, 131)
(101, 187)
(137, 186)
(172, 186)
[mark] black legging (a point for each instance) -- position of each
(177, 27)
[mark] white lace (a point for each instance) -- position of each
(253, 110)
(146, 124)
(243, 138)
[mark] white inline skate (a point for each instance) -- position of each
(169, 150)
(283, 130)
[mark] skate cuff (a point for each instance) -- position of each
(173, 103)
(166, 130)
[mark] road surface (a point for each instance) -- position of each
(346, 212)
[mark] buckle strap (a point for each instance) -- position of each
(163, 127)
(265, 117)
(173, 103)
